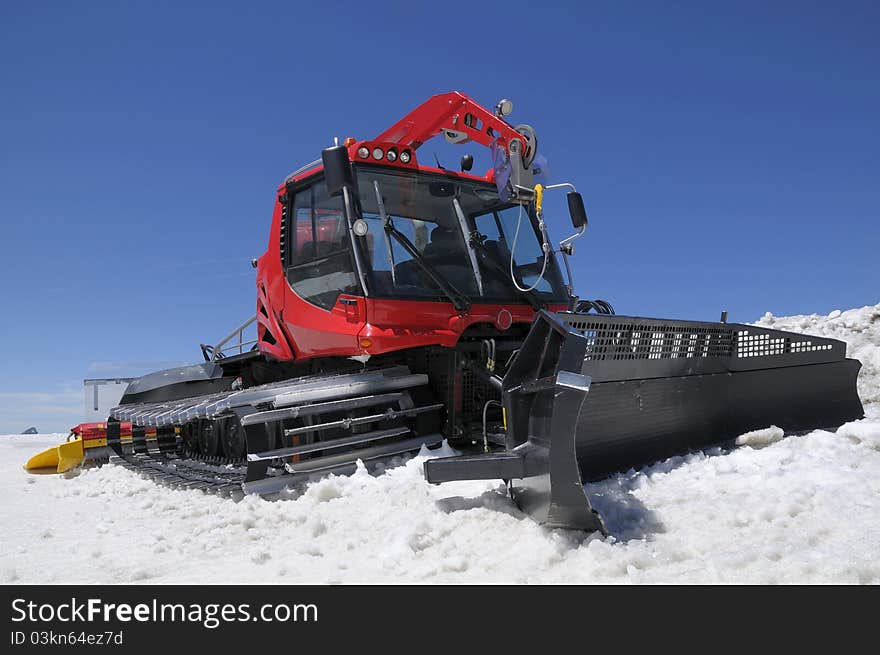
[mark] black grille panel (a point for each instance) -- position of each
(761, 344)
(614, 338)
(653, 341)
(630, 348)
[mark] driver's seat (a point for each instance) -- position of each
(443, 247)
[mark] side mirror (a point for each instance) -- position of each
(337, 169)
(576, 210)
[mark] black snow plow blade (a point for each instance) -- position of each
(589, 395)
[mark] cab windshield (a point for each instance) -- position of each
(435, 213)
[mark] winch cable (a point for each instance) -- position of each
(545, 245)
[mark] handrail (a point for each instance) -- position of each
(302, 169)
(216, 351)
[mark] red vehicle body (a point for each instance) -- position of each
(291, 328)
(91, 432)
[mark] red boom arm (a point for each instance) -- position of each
(452, 111)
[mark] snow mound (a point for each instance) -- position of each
(796, 509)
(760, 438)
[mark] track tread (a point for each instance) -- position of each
(172, 464)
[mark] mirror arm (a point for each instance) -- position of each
(566, 248)
(562, 185)
(565, 245)
(568, 270)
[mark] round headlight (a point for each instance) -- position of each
(360, 227)
(392, 155)
(378, 153)
(504, 107)
(405, 156)
(363, 152)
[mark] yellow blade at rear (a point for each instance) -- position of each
(62, 457)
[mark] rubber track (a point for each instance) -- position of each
(178, 467)
(184, 473)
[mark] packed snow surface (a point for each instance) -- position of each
(773, 509)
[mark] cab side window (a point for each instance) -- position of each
(319, 265)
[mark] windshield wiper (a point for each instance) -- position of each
(472, 256)
(386, 220)
(459, 300)
(475, 241)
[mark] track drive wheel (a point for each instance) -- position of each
(209, 440)
(232, 438)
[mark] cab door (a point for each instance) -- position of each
(324, 307)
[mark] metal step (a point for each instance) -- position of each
(301, 411)
(330, 444)
(302, 471)
(347, 423)
(351, 389)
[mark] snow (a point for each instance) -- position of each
(773, 510)
(759, 438)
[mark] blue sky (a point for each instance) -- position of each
(729, 156)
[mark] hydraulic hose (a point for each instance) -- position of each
(485, 429)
